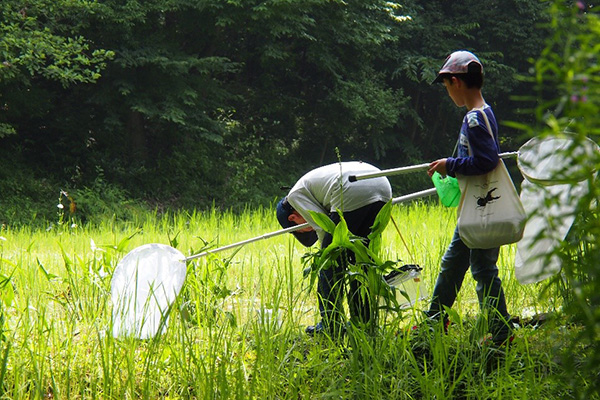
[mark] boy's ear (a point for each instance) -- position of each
(449, 80)
(296, 218)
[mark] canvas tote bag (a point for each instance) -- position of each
(490, 213)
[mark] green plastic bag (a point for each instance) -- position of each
(447, 189)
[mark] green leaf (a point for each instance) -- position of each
(66, 259)
(6, 130)
(174, 242)
(125, 241)
(7, 291)
(382, 220)
(323, 221)
(363, 254)
(48, 275)
(341, 234)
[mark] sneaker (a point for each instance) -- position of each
(320, 329)
(315, 329)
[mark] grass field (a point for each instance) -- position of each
(237, 331)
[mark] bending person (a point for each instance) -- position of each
(325, 190)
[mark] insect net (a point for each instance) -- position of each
(555, 171)
(143, 288)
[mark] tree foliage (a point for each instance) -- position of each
(182, 103)
(39, 40)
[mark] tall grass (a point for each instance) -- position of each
(237, 328)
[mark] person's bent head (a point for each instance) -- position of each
(288, 217)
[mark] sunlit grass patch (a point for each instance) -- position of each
(237, 327)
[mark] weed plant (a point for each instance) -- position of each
(568, 66)
(237, 328)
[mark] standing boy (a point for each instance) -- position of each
(325, 190)
(462, 75)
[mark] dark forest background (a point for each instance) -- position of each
(177, 104)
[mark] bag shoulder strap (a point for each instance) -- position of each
(489, 127)
(487, 122)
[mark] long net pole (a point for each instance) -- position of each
(396, 200)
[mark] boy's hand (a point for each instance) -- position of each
(439, 166)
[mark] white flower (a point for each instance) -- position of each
(59, 205)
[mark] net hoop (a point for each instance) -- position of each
(557, 160)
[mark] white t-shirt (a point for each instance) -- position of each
(327, 189)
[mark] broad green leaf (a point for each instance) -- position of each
(341, 234)
(323, 221)
(381, 220)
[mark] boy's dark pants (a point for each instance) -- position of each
(455, 263)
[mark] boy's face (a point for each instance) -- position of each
(298, 219)
(455, 88)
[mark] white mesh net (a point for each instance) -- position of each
(144, 285)
(555, 170)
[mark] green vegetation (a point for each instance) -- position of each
(110, 110)
(569, 65)
(220, 343)
(177, 104)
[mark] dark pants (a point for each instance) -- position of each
(331, 286)
(455, 263)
